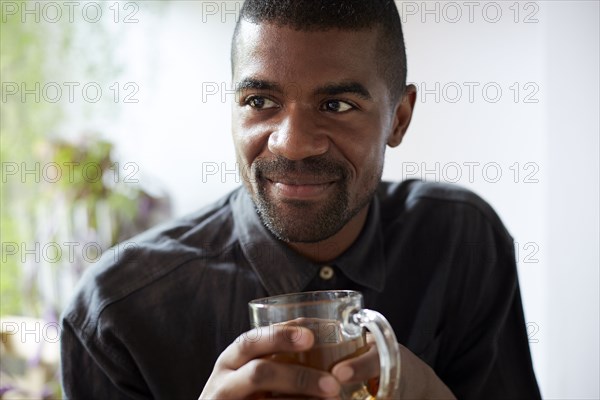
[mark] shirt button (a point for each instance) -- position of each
(326, 273)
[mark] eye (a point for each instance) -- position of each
(260, 102)
(336, 106)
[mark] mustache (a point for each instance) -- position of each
(317, 166)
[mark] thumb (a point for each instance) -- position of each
(358, 369)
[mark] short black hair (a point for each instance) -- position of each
(317, 15)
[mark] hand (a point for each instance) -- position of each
(244, 370)
(417, 381)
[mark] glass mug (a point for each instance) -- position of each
(338, 321)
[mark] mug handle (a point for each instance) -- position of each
(389, 353)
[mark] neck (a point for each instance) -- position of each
(334, 246)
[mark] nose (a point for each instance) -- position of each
(298, 135)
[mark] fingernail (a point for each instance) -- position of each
(302, 338)
(328, 385)
(344, 374)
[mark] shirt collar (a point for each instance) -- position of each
(364, 262)
(282, 270)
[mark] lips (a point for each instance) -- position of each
(301, 189)
(290, 179)
(313, 178)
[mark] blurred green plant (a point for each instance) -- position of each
(34, 53)
(79, 186)
(81, 208)
(73, 208)
(22, 61)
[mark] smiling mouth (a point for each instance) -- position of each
(299, 189)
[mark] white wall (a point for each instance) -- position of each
(545, 143)
(572, 199)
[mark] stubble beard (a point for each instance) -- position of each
(299, 221)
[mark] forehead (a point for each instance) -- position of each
(284, 54)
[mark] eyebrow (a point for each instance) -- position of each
(335, 89)
(256, 84)
(332, 89)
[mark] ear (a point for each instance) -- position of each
(403, 115)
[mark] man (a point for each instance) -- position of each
(321, 94)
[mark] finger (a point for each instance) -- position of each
(358, 369)
(263, 375)
(263, 341)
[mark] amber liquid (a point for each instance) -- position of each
(324, 357)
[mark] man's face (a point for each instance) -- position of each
(311, 121)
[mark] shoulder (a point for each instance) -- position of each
(437, 203)
(414, 193)
(145, 259)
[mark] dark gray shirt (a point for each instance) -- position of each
(150, 319)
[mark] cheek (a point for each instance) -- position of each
(371, 164)
(249, 143)
(365, 152)
(369, 172)
(247, 149)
